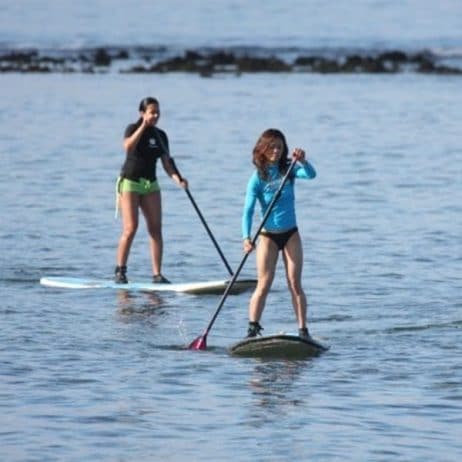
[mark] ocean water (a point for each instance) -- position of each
(102, 375)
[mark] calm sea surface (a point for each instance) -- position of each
(101, 375)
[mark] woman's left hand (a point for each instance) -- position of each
(299, 155)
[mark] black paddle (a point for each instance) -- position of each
(193, 202)
(200, 343)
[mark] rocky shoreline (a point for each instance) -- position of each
(213, 61)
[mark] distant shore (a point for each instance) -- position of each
(214, 61)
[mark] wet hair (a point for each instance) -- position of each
(260, 159)
(145, 102)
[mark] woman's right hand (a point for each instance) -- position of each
(145, 121)
(248, 247)
(299, 155)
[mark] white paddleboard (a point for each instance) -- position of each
(278, 345)
(208, 287)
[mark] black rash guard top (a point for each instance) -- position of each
(141, 163)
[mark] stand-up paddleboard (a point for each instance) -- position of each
(197, 288)
(278, 346)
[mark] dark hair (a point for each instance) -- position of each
(259, 158)
(145, 102)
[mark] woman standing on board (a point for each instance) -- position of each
(138, 188)
(280, 231)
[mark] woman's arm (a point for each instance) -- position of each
(167, 161)
(305, 170)
(131, 140)
(248, 211)
(171, 172)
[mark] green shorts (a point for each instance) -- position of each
(142, 186)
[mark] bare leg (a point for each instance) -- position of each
(129, 210)
(293, 261)
(267, 257)
(151, 205)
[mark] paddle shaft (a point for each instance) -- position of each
(254, 240)
(196, 208)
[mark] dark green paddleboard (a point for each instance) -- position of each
(278, 345)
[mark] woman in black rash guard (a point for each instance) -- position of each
(138, 187)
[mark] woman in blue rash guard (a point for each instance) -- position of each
(138, 188)
(280, 233)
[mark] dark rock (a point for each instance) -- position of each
(249, 64)
(307, 61)
(122, 54)
(316, 64)
(393, 56)
(326, 66)
(221, 58)
(102, 57)
(191, 55)
(210, 61)
(21, 57)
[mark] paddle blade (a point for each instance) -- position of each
(200, 343)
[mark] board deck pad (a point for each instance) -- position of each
(197, 288)
(281, 345)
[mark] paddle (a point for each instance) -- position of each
(193, 202)
(200, 343)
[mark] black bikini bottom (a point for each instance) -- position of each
(280, 239)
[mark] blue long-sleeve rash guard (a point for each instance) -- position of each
(282, 216)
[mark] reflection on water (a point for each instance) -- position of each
(272, 385)
(141, 304)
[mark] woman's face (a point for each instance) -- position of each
(151, 114)
(274, 151)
